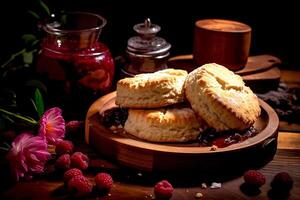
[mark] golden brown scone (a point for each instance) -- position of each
(221, 98)
(152, 90)
(164, 124)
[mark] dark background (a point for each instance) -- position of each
(275, 25)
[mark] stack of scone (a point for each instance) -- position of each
(173, 106)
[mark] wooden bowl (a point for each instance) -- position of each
(158, 157)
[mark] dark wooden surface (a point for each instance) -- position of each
(135, 185)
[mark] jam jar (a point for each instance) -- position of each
(146, 52)
(75, 66)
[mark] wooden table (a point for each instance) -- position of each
(131, 185)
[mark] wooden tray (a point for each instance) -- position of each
(169, 157)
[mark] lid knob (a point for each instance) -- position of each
(146, 30)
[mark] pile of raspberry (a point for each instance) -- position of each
(73, 164)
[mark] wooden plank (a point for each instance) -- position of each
(289, 140)
(132, 185)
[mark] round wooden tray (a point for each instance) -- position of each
(147, 156)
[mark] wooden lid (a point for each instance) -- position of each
(220, 25)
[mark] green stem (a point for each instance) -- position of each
(12, 57)
(4, 149)
(32, 121)
(8, 146)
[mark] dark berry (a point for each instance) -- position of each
(73, 126)
(71, 173)
(282, 181)
(254, 178)
(80, 161)
(80, 186)
(63, 162)
(115, 116)
(64, 147)
(8, 136)
(163, 190)
(104, 181)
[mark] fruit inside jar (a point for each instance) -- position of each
(76, 68)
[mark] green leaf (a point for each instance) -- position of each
(7, 118)
(12, 57)
(37, 84)
(45, 7)
(29, 39)
(34, 14)
(18, 116)
(39, 103)
(28, 57)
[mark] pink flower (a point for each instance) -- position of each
(52, 126)
(27, 156)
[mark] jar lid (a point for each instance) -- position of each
(147, 43)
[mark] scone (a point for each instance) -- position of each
(221, 98)
(164, 125)
(152, 90)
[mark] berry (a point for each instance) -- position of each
(73, 126)
(254, 178)
(282, 181)
(71, 173)
(103, 181)
(63, 162)
(80, 186)
(163, 190)
(80, 161)
(8, 136)
(64, 147)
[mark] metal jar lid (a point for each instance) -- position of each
(146, 44)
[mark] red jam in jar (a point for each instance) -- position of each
(75, 66)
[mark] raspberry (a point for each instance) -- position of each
(73, 126)
(63, 162)
(254, 178)
(71, 173)
(163, 190)
(282, 181)
(80, 161)
(104, 181)
(8, 136)
(80, 186)
(64, 147)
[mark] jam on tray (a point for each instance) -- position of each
(223, 139)
(117, 116)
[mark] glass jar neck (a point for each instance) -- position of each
(70, 42)
(73, 31)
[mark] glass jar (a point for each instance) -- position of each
(145, 52)
(75, 66)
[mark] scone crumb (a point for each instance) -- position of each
(213, 148)
(215, 185)
(198, 195)
(113, 128)
(203, 185)
(139, 174)
(120, 126)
